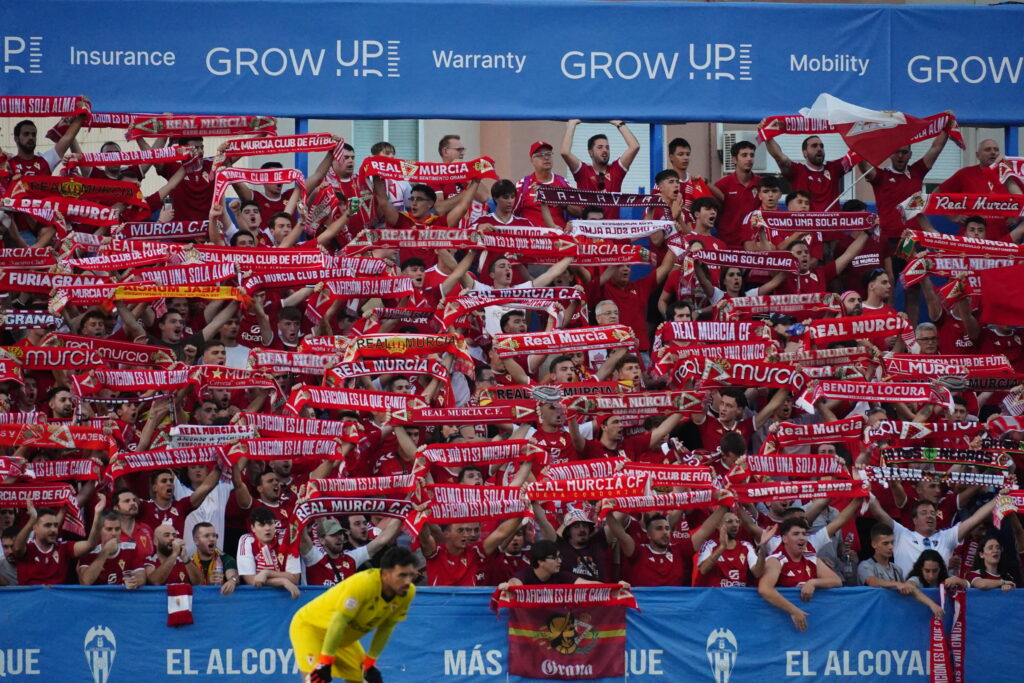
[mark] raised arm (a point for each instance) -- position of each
(851, 252)
(570, 159)
(632, 144)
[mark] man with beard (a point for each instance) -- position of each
(325, 633)
(27, 162)
(109, 563)
(44, 559)
(171, 327)
(822, 179)
(269, 496)
(510, 559)
(168, 565)
(545, 568)
(728, 561)
(134, 535)
(329, 563)
(214, 567)
(551, 434)
(61, 403)
(601, 173)
(162, 508)
(261, 559)
(795, 565)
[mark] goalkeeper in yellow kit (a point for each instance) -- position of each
(326, 631)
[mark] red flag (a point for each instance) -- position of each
(1002, 296)
(179, 604)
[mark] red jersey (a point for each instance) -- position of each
(648, 566)
(953, 337)
(812, 282)
(328, 571)
(824, 185)
(1009, 345)
(349, 189)
(527, 205)
(140, 540)
(445, 569)
(35, 166)
(731, 569)
(152, 515)
(979, 180)
(126, 561)
(739, 201)
(632, 302)
(268, 207)
(631, 447)
(194, 194)
(890, 189)
(179, 572)
(869, 259)
(39, 567)
(502, 566)
(795, 572)
(557, 445)
(587, 178)
(712, 431)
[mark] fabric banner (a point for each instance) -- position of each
(428, 237)
(62, 105)
(673, 359)
(772, 261)
(751, 373)
(788, 434)
(190, 436)
(807, 490)
(54, 357)
(96, 381)
(708, 332)
(595, 488)
(685, 476)
(62, 470)
(945, 456)
(795, 465)
(287, 425)
(256, 176)
(646, 403)
(274, 361)
(526, 392)
(171, 126)
(371, 287)
(565, 632)
(281, 144)
(56, 437)
(958, 203)
(22, 257)
(407, 346)
(393, 486)
(132, 157)
(114, 351)
(664, 502)
(620, 229)
(359, 400)
(564, 341)
(951, 266)
(257, 280)
(281, 448)
(97, 190)
(478, 453)
(862, 633)
(16, 496)
(333, 507)
(122, 464)
(798, 305)
(188, 231)
(493, 413)
(587, 469)
(883, 392)
(950, 477)
(200, 274)
(796, 124)
(433, 173)
(957, 244)
(257, 257)
(453, 503)
(912, 431)
(568, 196)
(824, 357)
(59, 209)
(831, 330)
(814, 221)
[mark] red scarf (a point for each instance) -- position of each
(171, 126)
(479, 453)
(288, 425)
(45, 495)
(795, 465)
(287, 361)
(257, 176)
(620, 229)
(953, 244)
(830, 330)
(278, 448)
(798, 305)
(54, 358)
(34, 105)
(24, 319)
(712, 332)
(453, 503)
(433, 173)
(814, 221)
(752, 373)
(594, 488)
(646, 403)
(663, 502)
(883, 392)
(524, 392)
(128, 463)
(202, 274)
(394, 486)
(787, 434)
(804, 490)
(958, 203)
(61, 470)
(912, 431)
(98, 190)
(259, 257)
(96, 381)
(139, 157)
(408, 346)
(175, 230)
(360, 400)
(370, 287)
(686, 476)
(282, 144)
(494, 413)
(773, 261)
(114, 351)
(563, 595)
(564, 341)
(27, 257)
(87, 213)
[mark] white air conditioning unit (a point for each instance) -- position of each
(731, 137)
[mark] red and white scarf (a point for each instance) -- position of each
(394, 486)
(430, 172)
(830, 330)
(174, 230)
(663, 502)
(57, 209)
(45, 496)
(359, 400)
(883, 392)
(281, 144)
(804, 490)
(479, 453)
(289, 425)
(137, 157)
(494, 413)
(256, 176)
(564, 341)
(454, 503)
(35, 105)
(620, 229)
(171, 126)
(594, 488)
(115, 351)
(798, 305)
(814, 221)
(959, 203)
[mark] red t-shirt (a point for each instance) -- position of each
(153, 515)
(268, 207)
(740, 200)
(140, 540)
(38, 567)
(178, 574)
(979, 180)
(347, 189)
(731, 569)
(811, 282)
(823, 185)
(953, 337)
(444, 569)
(502, 566)
(194, 194)
(891, 188)
(1009, 345)
(610, 181)
(632, 302)
(648, 566)
(36, 166)
(126, 561)
(712, 431)
(557, 445)
(527, 205)
(795, 572)
(630, 447)
(869, 259)
(328, 572)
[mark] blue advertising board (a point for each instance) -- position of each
(529, 59)
(108, 635)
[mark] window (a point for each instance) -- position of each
(404, 134)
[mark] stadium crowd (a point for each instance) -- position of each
(701, 393)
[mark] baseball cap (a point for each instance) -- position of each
(539, 145)
(331, 527)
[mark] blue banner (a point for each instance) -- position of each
(865, 634)
(529, 59)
